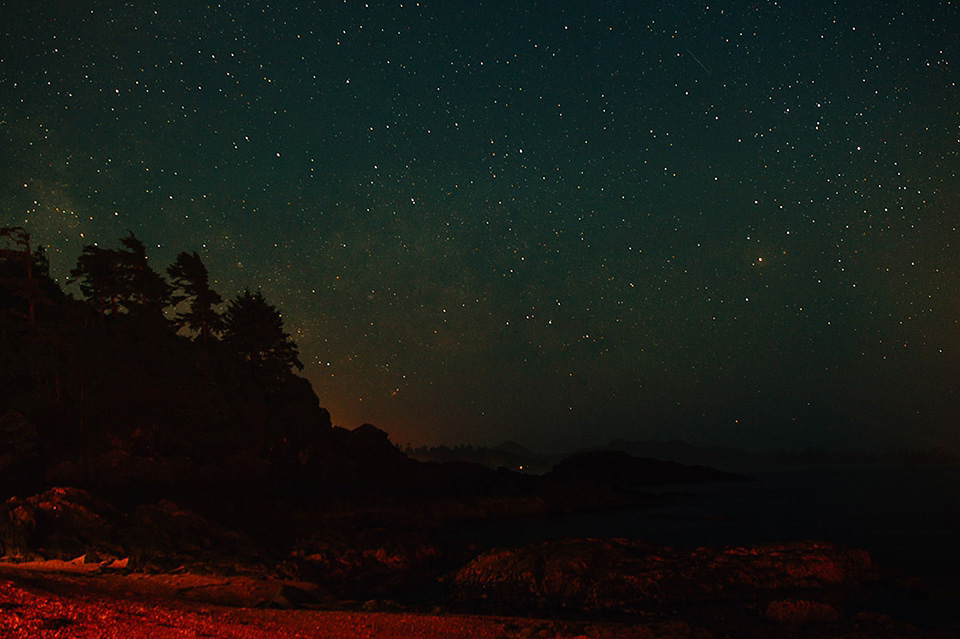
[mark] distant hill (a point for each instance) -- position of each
(620, 470)
(517, 457)
(510, 455)
(726, 458)
(515, 449)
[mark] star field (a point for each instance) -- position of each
(728, 223)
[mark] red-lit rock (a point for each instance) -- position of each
(163, 536)
(60, 523)
(802, 564)
(620, 574)
(802, 611)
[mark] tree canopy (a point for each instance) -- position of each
(146, 290)
(254, 330)
(192, 285)
(121, 280)
(94, 371)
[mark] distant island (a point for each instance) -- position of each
(518, 457)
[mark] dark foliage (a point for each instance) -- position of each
(25, 282)
(121, 280)
(110, 375)
(254, 331)
(192, 285)
(148, 293)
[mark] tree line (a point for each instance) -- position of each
(128, 356)
(115, 281)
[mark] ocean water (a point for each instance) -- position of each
(907, 516)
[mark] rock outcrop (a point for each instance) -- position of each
(66, 523)
(60, 523)
(624, 575)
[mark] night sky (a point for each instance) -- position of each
(730, 223)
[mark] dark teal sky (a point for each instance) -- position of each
(729, 223)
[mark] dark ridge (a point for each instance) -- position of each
(619, 470)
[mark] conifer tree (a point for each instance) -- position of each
(192, 284)
(254, 330)
(146, 292)
(18, 269)
(114, 280)
(98, 274)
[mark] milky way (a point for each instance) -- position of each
(555, 222)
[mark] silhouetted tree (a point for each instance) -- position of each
(98, 274)
(192, 284)
(254, 330)
(82, 390)
(113, 279)
(146, 292)
(18, 269)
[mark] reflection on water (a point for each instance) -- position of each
(908, 517)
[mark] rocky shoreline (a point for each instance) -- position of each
(598, 589)
(356, 527)
(81, 549)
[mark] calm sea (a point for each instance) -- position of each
(908, 517)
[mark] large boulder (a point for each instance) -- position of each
(65, 523)
(61, 523)
(801, 612)
(164, 536)
(621, 574)
(370, 561)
